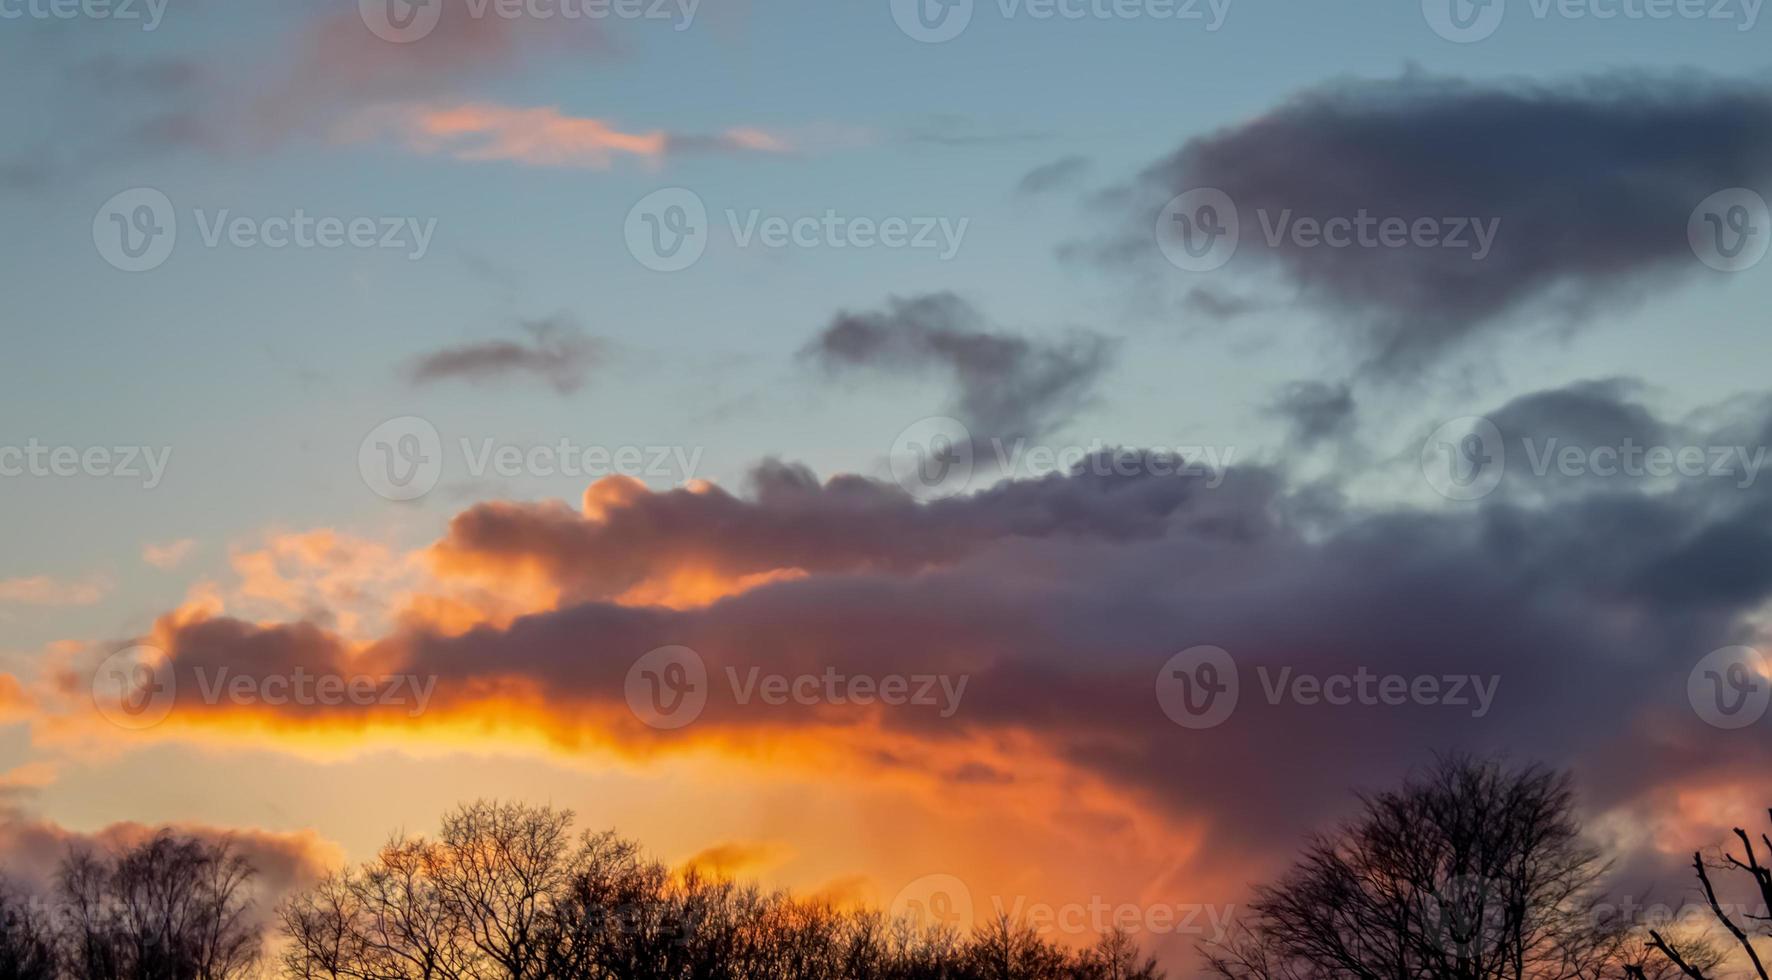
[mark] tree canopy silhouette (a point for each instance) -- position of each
(1470, 871)
(505, 891)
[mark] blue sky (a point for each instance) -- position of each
(264, 369)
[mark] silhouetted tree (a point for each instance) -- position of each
(27, 943)
(506, 892)
(1471, 871)
(1700, 961)
(1116, 957)
(171, 908)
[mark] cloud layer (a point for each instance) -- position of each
(1589, 185)
(1567, 619)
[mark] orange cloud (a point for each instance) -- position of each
(15, 703)
(168, 556)
(31, 775)
(734, 859)
(539, 136)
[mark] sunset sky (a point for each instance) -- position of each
(755, 422)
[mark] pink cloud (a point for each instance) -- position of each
(169, 555)
(539, 136)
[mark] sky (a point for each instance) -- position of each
(1109, 387)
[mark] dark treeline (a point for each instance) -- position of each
(506, 891)
(170, 908)
(1471, 871)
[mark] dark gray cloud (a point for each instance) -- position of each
(845, 524)
(1005, 386)
(1315, 410)
(1589, 185)
(557, 352)
(1061, 173)
(1061, 597)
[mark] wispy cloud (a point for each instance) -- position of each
(46, 590)
(537, 136)
(169, 555)
(558, 352)
(1005, 385)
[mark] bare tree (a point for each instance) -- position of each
(1116, 957)
(171, 908)
(1471, 871)
(1697, 960)
(27, 942)
(506, 893)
